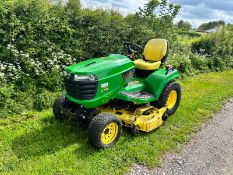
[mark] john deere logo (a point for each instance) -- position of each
(104, 87)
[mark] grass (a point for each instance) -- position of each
(38, 144)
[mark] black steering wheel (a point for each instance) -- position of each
(133, 49)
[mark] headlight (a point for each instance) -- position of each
(84, 77)
(68, 75)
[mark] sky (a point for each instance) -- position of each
(194, 11)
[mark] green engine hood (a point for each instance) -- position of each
(103, 66)
(110, 73)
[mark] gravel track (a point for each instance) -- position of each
(210, 152)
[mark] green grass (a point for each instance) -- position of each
(38, 144)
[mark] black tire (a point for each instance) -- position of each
(57, 108)
(162, 101)
(90, 115)
(97, 126)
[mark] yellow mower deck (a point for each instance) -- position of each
(146, 118)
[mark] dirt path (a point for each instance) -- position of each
(209, 153)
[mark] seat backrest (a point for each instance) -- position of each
(156, 50)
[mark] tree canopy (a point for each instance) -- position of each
(183, 25)
(210, 25)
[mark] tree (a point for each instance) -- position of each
(183, 25)
(74, 6)
(149, 8)
(210, 25)
(159, 17)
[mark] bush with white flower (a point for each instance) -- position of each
(23, 65)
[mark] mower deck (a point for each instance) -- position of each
(145, 118)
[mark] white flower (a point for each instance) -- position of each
(9, 46)
(26, 55)
(2, 75)
(57, 66)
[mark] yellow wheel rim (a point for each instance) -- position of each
(109, 133)
(172, 98)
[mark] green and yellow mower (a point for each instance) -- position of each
(114, 91)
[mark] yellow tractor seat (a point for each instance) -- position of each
(155, 53)
(144, 65)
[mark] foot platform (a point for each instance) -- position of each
(138, 95)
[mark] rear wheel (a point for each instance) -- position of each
(104, 130)
(170, 97)
(59, 102)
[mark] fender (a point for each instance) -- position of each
(157, 81)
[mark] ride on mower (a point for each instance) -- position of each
(114, 91)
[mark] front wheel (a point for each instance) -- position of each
(104, 130)
(170, 97)
(59, 102)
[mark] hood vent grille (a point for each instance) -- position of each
(81, 90)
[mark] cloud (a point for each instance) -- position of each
(124, 6)
(226, 5)
(194, 11)
(198, 12)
